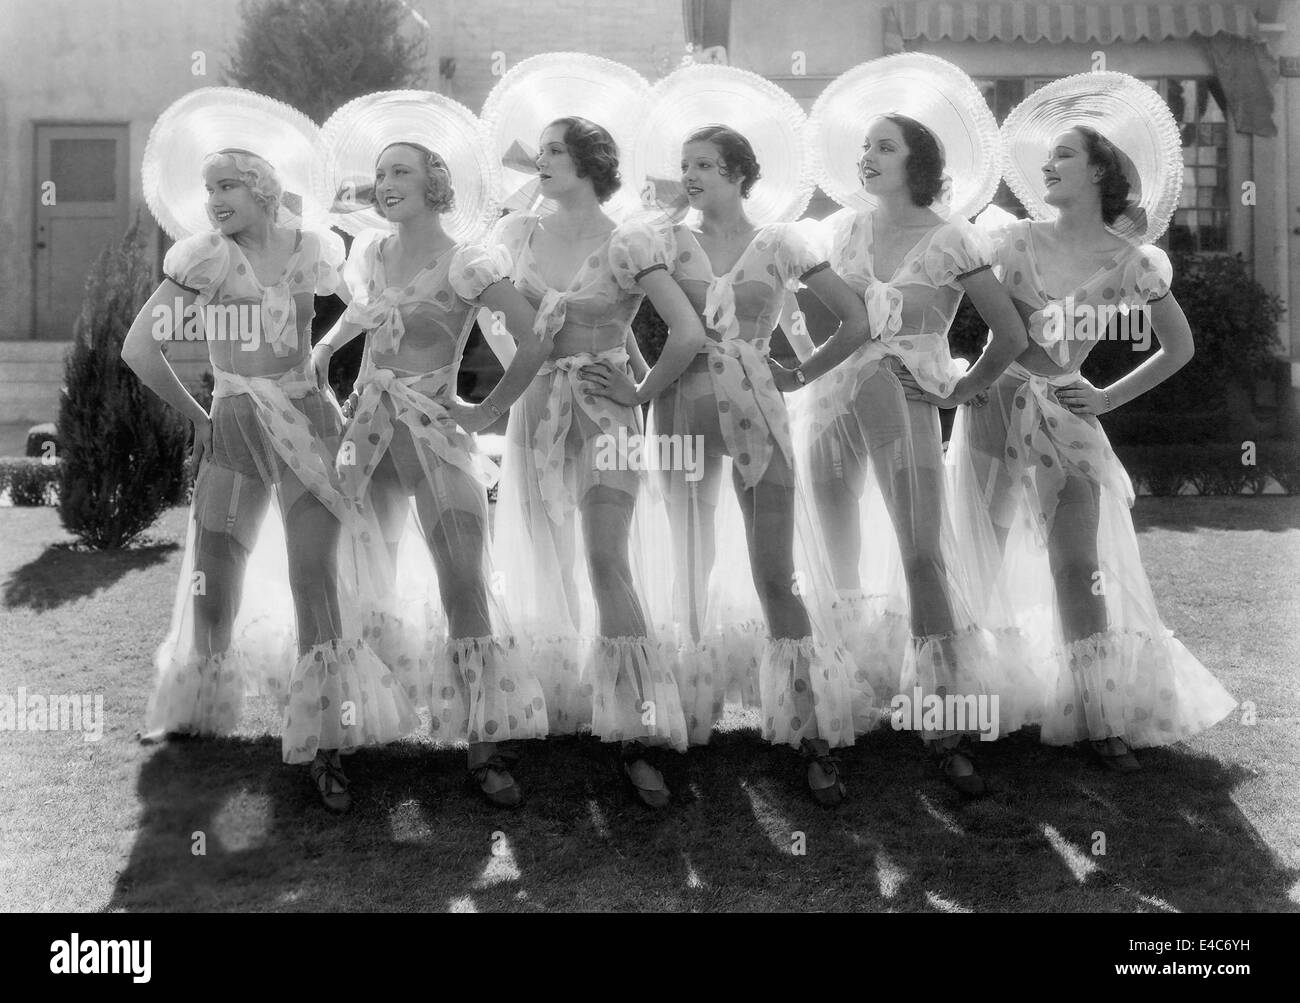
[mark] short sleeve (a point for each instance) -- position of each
(798, 252)
(957, 251)
(1147, 276)
(326, 255)
(198, 263)
(359, 270)
(637, 247)
(474, 267)
(838, 233)
(510, 232)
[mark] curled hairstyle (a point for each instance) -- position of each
(737, 154)
(1113, 186)
(924, 165)
(439, 195)
(255, 173)
(594, 153)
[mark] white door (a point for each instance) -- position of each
(82, 204)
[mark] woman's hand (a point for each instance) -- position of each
(471, 417)
(320, 364)
(1082, 397)
(604, 380)
(913, 391)
(202, 444)
(784, 379)
(349, 406)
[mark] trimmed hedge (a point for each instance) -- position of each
(1212, 468)
(30, 480)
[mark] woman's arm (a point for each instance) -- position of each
(337, 336)
(142, 352)
(685, 339)
(634, 357)
(796, 329)
(1008, 336)
(1176, 349)
(511, 311)
(499, 340)
(852, 332)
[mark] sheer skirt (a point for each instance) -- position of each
(1043, 506)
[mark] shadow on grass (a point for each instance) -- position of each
(1188, 513)
(64, 573)
(418, 839)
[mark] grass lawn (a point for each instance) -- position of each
(110, 825)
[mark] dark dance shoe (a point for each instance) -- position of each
(331, 783)
(959, 771)
(497, 766)
(1116, 754)
(824, 781)
(646, 780)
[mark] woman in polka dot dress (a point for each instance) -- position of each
(414, 291)
(570, 486)
(737, 276)
(268, 447)
(1044, 500)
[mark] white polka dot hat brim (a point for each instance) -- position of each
(703, 94)
(216, 118)
(926, 88)
(1130, 114)
(537, 91)
(354, 136)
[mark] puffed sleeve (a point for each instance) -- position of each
(359, 275)
(359, 269)
(198, 263)
(958, 250)
(1147, 275)
(839, 232)
(637, 247)
(797, 253)
(328, 265)
(510, 232)
(474, 267)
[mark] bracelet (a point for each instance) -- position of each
(492, 409)
(1105, 395)
(799, 376)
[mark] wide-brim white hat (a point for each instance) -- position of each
(353, 137)
(703, 94)
(1131, 115)
(211, 119)
(925, 88)
(541, 89)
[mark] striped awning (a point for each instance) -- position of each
(936, 20)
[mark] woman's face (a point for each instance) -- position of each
(231, 206)
(882, 168)
(702, 176)
(1067, 174)
(400, 184)
(555, 166)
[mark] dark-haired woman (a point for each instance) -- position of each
(871, 431)
(1044, 502)
(737, 276)
(414, 289)
(570, 479)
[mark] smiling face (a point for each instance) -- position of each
(882, 169)
(231, 205)
(1067, 174)
(400, 184)
(707, 186)
(555, 165)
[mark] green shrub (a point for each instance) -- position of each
(122, 448)
(30, 480)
